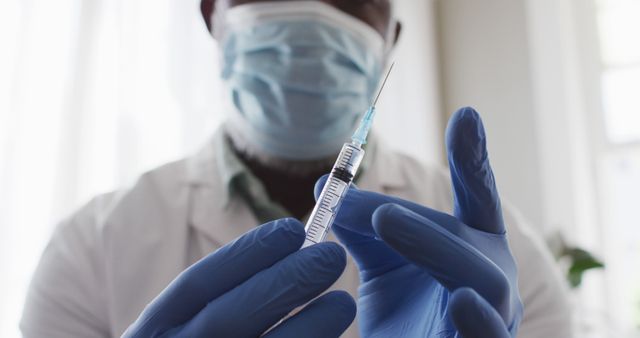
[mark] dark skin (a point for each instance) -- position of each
(294, 192)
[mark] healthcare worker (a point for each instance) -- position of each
(420, 268)
(298, 74)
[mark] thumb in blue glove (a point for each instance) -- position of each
(423, 272)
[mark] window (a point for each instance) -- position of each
(619, 160)
(620, 41)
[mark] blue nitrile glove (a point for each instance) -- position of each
(425, 273)
(246, 287)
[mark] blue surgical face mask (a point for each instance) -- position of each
(299, 74)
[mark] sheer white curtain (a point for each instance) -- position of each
(94, 92)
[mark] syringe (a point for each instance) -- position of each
(342, 174)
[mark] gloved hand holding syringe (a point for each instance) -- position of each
(342, 174)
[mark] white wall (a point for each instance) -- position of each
(410, 114)
(519, 63)
(485, 63)
(531, 67)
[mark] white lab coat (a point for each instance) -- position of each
(114, 255)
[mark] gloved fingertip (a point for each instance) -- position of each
(339, 252)
(344, 303)
(286, 232)
(476, 198)
(462, 304)
(329, 315)
(462, 297)
(466, 138)
(292, 225)
(383, 216)
(320, 265)
(332, 252)
(393, 222)
(473, 316)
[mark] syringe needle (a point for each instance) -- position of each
(375, 102)
(340, 179)
(360, 136)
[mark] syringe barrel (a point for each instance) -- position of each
(333, 193)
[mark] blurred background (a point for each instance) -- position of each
(95, 92)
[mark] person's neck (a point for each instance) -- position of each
(291, 186)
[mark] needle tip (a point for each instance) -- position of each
(383, 83)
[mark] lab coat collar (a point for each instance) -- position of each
(205, 171)
(384, 173)
(205, 168)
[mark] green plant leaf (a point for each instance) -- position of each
(581, 261)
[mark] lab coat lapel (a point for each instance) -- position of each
(215, 219)
(384, 174)
(219, 224)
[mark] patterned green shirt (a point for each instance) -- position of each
(239, 180)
